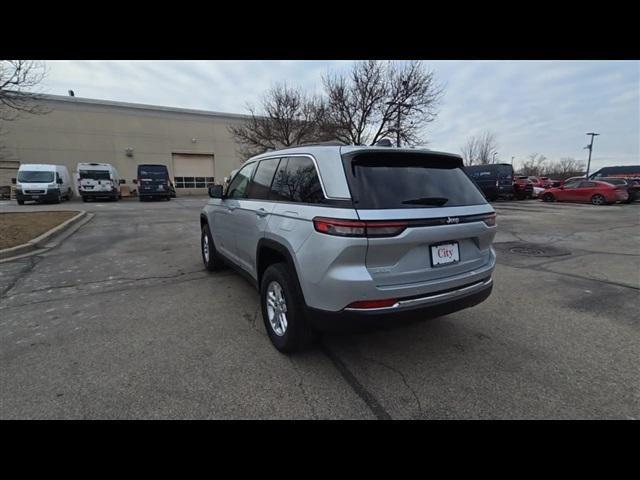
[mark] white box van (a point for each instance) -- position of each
(97, 180)
(43, 183)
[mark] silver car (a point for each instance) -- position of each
(337, 235)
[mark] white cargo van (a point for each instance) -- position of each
(43, 183)
(98, 180)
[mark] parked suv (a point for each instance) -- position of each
(342, 234)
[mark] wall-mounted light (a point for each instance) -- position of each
(194, 140)
(129, 152)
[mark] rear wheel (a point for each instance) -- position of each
(598, 199)
(283, 310)
(548, 197)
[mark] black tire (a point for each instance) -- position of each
(58, 198)
(598, 199)
(167, 198)
(298, 334)
(548, 197)
(20, 202)
(210, 258)
(141, 198)
(85, 199)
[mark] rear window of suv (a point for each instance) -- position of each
(384, 180)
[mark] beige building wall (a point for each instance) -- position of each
(83, 130)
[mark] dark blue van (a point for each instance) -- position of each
(494, 180)
(153, 182)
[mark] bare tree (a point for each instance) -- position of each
(480, 150)
(565, 167)
(288, 117)
(470, 151)
(379, 99)
(18, 82)
(534, 165)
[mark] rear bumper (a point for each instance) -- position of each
(433, 305)
(104, 194)
(155, 193)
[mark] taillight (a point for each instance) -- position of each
(358, 228)
(370, 304)
(490, 219)
(497, 183)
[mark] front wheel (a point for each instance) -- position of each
(210, 257)
(598, 199)
(20, 202)
(547, 197)
(283, 310)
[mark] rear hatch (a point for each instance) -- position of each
(439, 223)
(153, 179)
(95, 181)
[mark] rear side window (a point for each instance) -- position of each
(297, 181)
(407, 180)
(588, 185)
(261, 183)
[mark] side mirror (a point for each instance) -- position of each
(215, 191)
(135, 181)
(13, 181)
(60, 181)
(122, 181)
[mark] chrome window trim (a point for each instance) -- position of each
(315, 164)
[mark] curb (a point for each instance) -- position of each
(40, 242)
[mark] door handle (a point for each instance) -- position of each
(261, 212)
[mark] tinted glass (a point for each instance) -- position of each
(588, 185)
(297, 181)
(238, 187)
(26, 176)
(95, 174)
(481, 172)
(573, 184)
(614, 181)
(381, 180)
(261, 183)
(156, 172)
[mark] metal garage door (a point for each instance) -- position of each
(192, 173)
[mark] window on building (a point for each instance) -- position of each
(193, 182)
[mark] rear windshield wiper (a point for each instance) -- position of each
(438, 201)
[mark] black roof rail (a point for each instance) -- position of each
(332, 143)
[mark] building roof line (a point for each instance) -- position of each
(137, 106)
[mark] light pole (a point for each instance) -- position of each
(512, 160)
(590, 147)
(494, 157)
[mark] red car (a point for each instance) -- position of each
(522, 188)
(598, 193)
(541, 182)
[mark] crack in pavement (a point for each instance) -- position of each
(101, 292)
(367, 397)
(303, 390)
(404, 380)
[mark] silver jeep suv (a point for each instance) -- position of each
(335, 235)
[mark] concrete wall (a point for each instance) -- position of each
(82, 130)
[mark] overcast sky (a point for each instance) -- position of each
(532, 106)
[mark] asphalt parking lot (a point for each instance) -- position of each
(122, 321)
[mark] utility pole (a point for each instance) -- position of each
(512, 160)
(493, 159)
(400, 107)
(590, 147)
